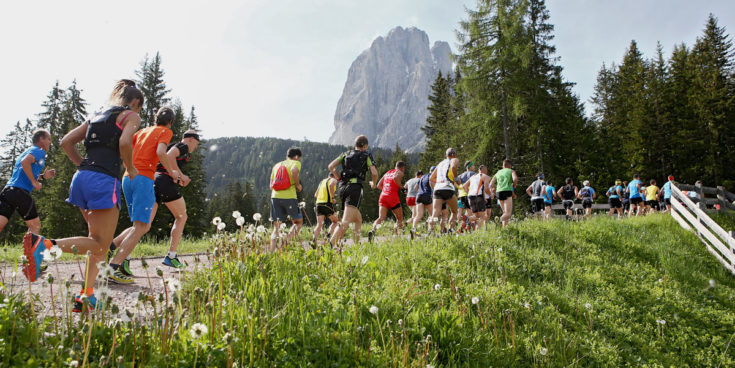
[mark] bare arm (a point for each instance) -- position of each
(466, 186)
(380, 183)
(374, 173)
(333, 189)
(26, 165)
(333, 168)
(163, 158)
(528, 190)
(398, 178)
(70, 140)
(126, 143)
(515, 178)
(295, 176)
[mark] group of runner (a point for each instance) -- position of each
(153, 176)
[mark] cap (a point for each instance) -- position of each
(671, 177)
(586, 183)
(451, 152)
(541, 175)
(618, 182)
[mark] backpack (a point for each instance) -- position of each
(354, 165)
(281, 180)
(568, 192)
(625, 192)
(585, 192)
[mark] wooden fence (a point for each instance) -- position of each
(693, 216)
(708, 198)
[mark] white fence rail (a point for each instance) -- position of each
(691, 217)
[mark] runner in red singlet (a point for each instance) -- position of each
(389, 185)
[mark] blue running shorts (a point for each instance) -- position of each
(92, 190)
(140, 198)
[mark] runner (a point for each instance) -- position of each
(442, 182)
(464, 203)
(355, 164)
(16, 196)
(587, 195)
(503, 183)
(549, 195)
(284, 184)
(634, 188)
(389, 200)
(536, 192)
(568, 193)
(412, 190)
(324, 208)
(666, 191)
(625, 194)
(423, 199)
(167, 191)
(149, 147)
(95, 187)
(614, 195)
(652, 197)
(477, 187)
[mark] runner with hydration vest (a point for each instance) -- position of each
(389, 200)
(95, 187)
(503, 184)
(587, 194)
(284, 184)
(355, 164)
(536, 192)
(325, 200)
(615, 195)
(568, 193)
(442, 183)
(463, 203)
(476, 187)
(423, 199)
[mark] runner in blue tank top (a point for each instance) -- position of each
(549, 195)
(666, 193)
(634, 188)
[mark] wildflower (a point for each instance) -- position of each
(437, 287)
(373, 309)
(660, 280)
(240, 221)
(475, 300)
(257, 217)
(712, 283)
(364, 260)
(260, 229)
(236, 214)
(283, 226)
(221, 226)
(400, 322)
(198, 330)
(661, 321)
(74, 363)
(56, 252)
(302, 204)
(526, 305)
(500, 250)
(543, 351)
(216, 221)
(47, 255)
(173, 285)
(588, 306)
(429, 366)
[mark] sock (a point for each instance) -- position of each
(113, 246)
(171, 254)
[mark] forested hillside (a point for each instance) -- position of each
(238, 173)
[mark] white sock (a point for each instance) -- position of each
(171, 254)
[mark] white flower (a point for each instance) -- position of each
(173, 285)
(221, 226)
(364, 260)
(400, 322)
(437, 287)
(47, 255)
(236, 214)
(660, 280)
(373, 309)
(216, 221)
(429, 366)
(475, 300)
(378, 226)
(56, 252)
(240, 221)
(302, 204)
(198, 330)
(588, 306)
(257, 217)
(74, 363)
(283, 226)
(712, 283)
(500, 250)
(661, 321)
(260, 229)
(543, 351)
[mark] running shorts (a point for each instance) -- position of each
(324, 209)
(568, 204)
(391, 202)
(505, 195)
(351, 194)
(464, 202)
(13, 198)
(140, 197)
(667, 201)
(653, 203)
(615, 203)
(92, 190)
(489, 203)
(424, 199)
(537, 205)
(586, 203)
(411, 201)
(477, 203)
(635, 200)
(165, 188)
(283, 209)
(443, 194)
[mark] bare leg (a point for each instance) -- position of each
(274, 236)
(178, 209)
(507, 206)
(34, 225)
(318, 227)
(382, 214)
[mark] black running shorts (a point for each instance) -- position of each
(165, 188)
(465, 201)
(444, 194)
(653, 203)
(324, 209)
(567, 203)
(537, 205)
(636, 200)
(505, 195)
(424, 199)
(351, 194)
(477, 204)
(586, 203)
(615, 203)
(12, 199)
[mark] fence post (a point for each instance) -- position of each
(702, 204)
(721, 197)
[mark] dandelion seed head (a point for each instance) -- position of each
(221, 226)
(712, 283)
(588, 306)
(257, 217)
(373, 309)
(198, 330)
(475, 300)
(216, 221)
(260, 229)
(437, 287)
(240, 221)
(236, 214)
(543, 351)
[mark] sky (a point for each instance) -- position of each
(277, 68)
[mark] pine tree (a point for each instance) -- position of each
(14, 143)
(151, 83)
(440, 122)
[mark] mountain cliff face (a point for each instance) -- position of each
(387, 89)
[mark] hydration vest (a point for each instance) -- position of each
(354, 165)
(102, 142)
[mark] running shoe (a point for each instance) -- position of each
(92, 301)
(110, 253)
(125, 268)
(173, 262)
(371, 235)
(33, 248)
(119, 277)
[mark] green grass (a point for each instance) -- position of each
(635, 292)
(726, 221)
(12, 252)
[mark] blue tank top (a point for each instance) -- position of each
(549, 194)
(633, 188)
(425, 185)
